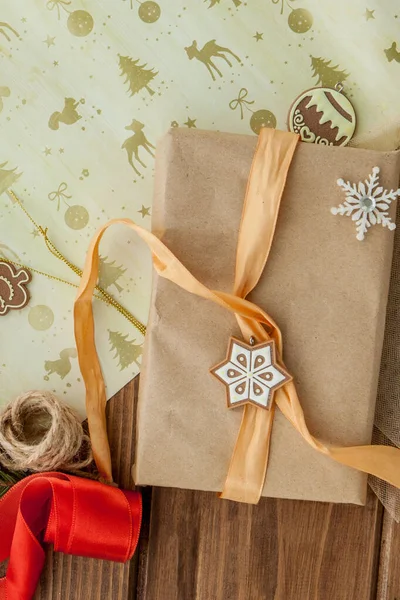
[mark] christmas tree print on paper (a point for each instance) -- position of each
(327, 76)
(136, 75)
(208, 51)
(392, 53)
(109, 273)
(126, 350)
(7, 177)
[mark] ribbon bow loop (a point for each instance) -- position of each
(79, 516)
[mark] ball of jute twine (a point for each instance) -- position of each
(40, 433)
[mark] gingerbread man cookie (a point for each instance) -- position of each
(14, 293)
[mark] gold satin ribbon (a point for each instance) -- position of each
(249, 461)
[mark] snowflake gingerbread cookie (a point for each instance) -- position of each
(251, 374)
(366, 203)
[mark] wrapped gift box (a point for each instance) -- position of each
(325, 289)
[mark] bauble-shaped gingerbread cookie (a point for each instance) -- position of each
(323, 116)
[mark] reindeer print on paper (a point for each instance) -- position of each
(136, 141)
(69, 114)
(210, 50)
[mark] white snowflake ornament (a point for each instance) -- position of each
(250, 373)
(366, 203)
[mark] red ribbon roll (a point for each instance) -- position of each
(77, 515)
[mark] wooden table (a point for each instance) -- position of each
(196, 547)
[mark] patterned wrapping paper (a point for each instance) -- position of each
(86, 89)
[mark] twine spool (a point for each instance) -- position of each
(40, 433)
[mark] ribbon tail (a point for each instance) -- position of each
(248, 466)
(380, 461)
(90, 365)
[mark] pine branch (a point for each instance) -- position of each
(8, 479)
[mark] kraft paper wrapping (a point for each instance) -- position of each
(326, 290)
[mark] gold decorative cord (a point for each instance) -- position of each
(103, 294)
(21, 266)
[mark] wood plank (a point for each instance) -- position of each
(389, 564)
(75, 578)
(143, 550)
(203, 548)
